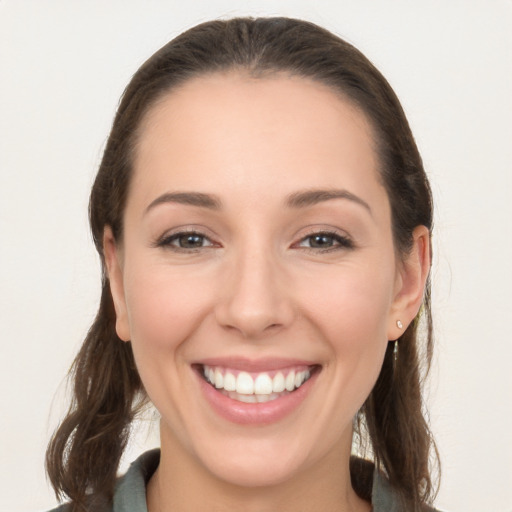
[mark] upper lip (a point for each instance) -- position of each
(255, 365)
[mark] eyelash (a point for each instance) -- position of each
(166, 241)
(339, 242)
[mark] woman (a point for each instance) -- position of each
(263, 221)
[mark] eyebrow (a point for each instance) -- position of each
(190, 198)
(311, 197)
(301, 199)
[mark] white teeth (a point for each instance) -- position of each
(244, 384)
(278, 383)
(229, 382)
(263, 384)
(251, 399)
(261, 389)
(290, 381)
(248, 399)
(219, 379)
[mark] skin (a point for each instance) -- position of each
(258, 286)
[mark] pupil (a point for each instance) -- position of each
(188, 241)
(321, 241)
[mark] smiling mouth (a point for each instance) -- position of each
(256, 387)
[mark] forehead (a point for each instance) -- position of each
(271, 133)
(279, 97)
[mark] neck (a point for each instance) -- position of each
(181, 484)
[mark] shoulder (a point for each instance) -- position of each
(386, 499)
(373, 486)
(130, 491)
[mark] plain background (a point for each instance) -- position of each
(63, 66)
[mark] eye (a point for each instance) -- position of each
(189, 240)
(325, 241)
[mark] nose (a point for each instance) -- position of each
(256, 299)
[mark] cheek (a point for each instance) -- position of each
(351, 307)
(350, 314)
(164, 306)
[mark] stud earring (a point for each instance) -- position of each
(399, 324)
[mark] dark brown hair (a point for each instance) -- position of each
(84, 453)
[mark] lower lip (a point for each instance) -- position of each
(258, 413)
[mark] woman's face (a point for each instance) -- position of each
(257, 253)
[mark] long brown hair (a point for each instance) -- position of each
(84, 453)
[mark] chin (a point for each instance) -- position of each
(251, 470)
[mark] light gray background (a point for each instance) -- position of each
(63, 66)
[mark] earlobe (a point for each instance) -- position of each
(411, 282)
(113, 263)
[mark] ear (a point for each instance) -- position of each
(113, 261)
(410, 283)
